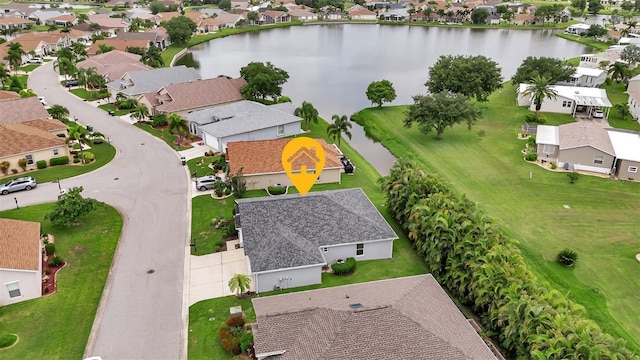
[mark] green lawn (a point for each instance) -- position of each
(82, 93)
(617, 95)
(104, 154)
(203, 341)
(29, 68)
(164, 135)
(201, 165)
(116, 111)
(58, 326)
(601, 223)
(598, 45)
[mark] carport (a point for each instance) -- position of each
(592, 102)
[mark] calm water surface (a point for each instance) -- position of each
(332, 65)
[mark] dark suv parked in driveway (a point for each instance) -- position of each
(23, 183)
(71, 82)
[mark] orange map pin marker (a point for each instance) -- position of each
(303, 161)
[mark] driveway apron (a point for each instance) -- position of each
(141, 314)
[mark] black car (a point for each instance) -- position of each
(71, 82)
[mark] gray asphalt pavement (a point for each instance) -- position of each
(141, 315)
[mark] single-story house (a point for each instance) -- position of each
(373, 320)
(359, 12)
(626, 146)
(569, 100)
(329, 13)
(38, 44)
(609, 56)
(577, 29)
(395, 15)
(186, 97)
(287, 239)
(156, 37)
(524, 19)
(580, 145)
(107, 24)
(114, 64)
(302, 15)
(261, 163)
(586, 77)
(134, 83)
(17, 110)
(66, 20)
(15, 22)
(117, 44)
(32, 140)
(240, 121)
(20, 261)
(273, 17)
(633, 89)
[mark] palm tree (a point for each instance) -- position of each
(79, 50)
(177, 125)
(65, 53)
(153, 57)
(14, 55)
(80, 135)
(82, 18)
(540, 89)
(4, 75)
(58, 112)
(65, 66)
(94, 27)
(308, 113)
(140, 113)
(104, 48)
(239, 283)
(618, 72)
(340, 126)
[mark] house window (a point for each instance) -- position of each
(55, 152)
(29, 158)
(633, 169)
(14, 289)
(548, 149)
(280, 130)
(598, 160)
(567, 103)
(325, 249)
(359, 249)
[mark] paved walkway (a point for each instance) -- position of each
(210, 274)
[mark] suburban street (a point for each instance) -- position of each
(142, 314)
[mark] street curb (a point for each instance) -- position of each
(186, 285)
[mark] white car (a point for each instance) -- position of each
(42, 100)
(598, 114)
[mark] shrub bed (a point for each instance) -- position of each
(41, 164)
(62, 160)
(344, 268)
(531, 157)
(88, 157)
(478, 264)
(277, 190)
(7, 340)
(50, 248)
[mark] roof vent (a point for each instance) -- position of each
(355, 306)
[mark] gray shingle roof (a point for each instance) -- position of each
(404, 318)
(287, 231)
(145, 81)
(239, 117)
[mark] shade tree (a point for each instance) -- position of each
(380, 92)
(440, 110)
(473, 76)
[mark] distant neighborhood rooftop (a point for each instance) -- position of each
(287, 231)
(140, 82)
(403, 318)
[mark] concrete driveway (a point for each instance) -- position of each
(210, 274)
(142, 314)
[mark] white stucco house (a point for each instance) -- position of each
(577, 29)
(587, 77)
(568, 100)
(626, 146)
(20, 261)
(634, 97)
(241, 121)
(287, 239)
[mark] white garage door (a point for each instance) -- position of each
(210, 140)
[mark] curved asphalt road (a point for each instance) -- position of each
(141, 315)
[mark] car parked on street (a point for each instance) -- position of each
(71, 82)
(23, 183)
(205, 182)
(42, 100)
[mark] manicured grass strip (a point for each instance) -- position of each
(164, 135)
(203, 340)
(82, 93)
(202, 169)
(116, 111)
(29, 68)
(104, 154)
(172, 50)
(598, 45)
(204, 209)
(600, 223)
(58, 326)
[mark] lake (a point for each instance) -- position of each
(332, 65)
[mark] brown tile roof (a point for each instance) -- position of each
(113, 64)
(22, 109)
(166, 16)
(15, 20)
(118, 44)
(49, 125)
(107, 22)
(265, 156)
(48, 37)
(582, 133)
(197, 94)
(359, 10)
(20, 138)
(5, 94)
(64, 17)
(404, 318)
(525, 17)
(19, 244)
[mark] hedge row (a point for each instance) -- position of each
(344, 268)
(478, 264)
(62, 160)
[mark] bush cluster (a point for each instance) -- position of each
(531, 157)
(50, 248)
(41, 164)
(62, 160)
(567, 257)
(55, 261)
(344, 268)
(471, 257)
(233, 337)
(277, 190)
(7, 340)
(88, 157)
